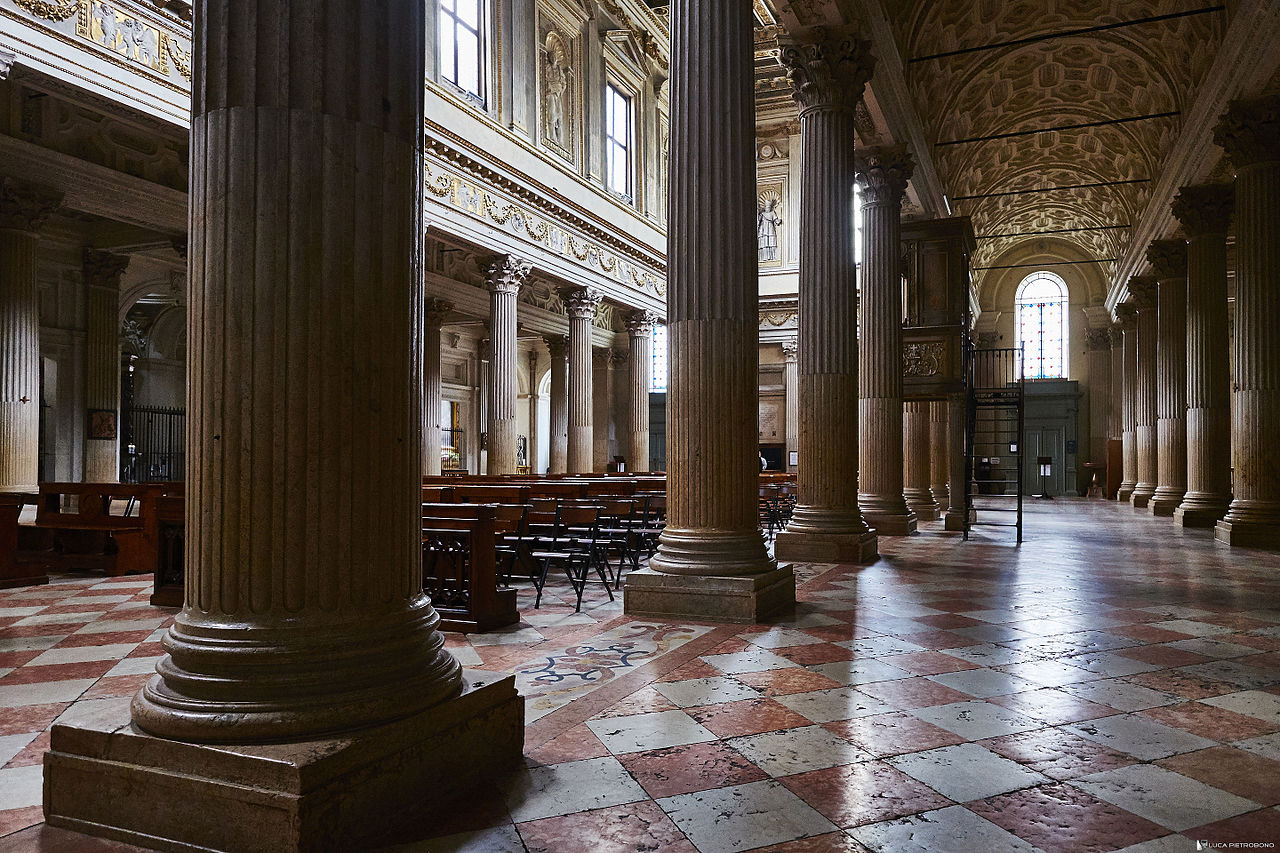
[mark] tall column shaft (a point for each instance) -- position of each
(102, 272)
(940, 452)
(957, 410)
(582, 312)
(918, 460)
(1250, 134)
(535, 425)
(304, 609)
(1128, 317)
(558, 460)
(1098, 348)
(1144, 291)
(639, 381)
(506, 275)
(791, 385)
(1115, 408)
(883, 175)
(24, 208)
(713, 323)
(1169, 258)
(433, 396)
(1205, 214)
(827, 77)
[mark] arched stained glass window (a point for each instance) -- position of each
(1042, 325)
(659, 381)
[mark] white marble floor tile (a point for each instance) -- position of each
(43, 692)
(827, 706)
(797, 750)
(875, 647)
(976, 719)
(966, 772)
(11, 745)
(744, 817)
(29, 644)
(1110, 665)
(135, 666)
(778, 638)
(657, 730)
(1167, 844)
(984, 682)
(1121, 695)
(1244, 676)
(1050, 673)
(82, 654)
(86, 598)
(1211, 648)
(705, 691)
(1140, 737)
(575, 786)
(1192, 627)
(111, 626)
(864, 671)
(1253, 703)
(15, 612)
(1165, 797)
(752, 660)
(21, 787)
(61, 618)
(988, 654)
(506, 637)
(954, 828)
(555, 620)
(1268, 746)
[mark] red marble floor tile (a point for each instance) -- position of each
(1060, 818)
(834, 842)
(870, 792)
(956, 605)
(57, 672)
(117, 685)
(1182, 684)
(893, 734)
(1132, 617)
(685, 769)
(1053, 706)
(1148, 633)
(815, 653)
(1267, 660)
(1207, 721)
(13, 660)
(949, 620)
(29, 718)
(1257, 641)
(618, 829)
(1234, 770)
(840, 633)
(644, 701)
(113, 638)
(929, 663)
(32, 753)
(13, 820)
(746, 717)
(575, 744)
(1163, 656)
(784, 682)
(691, 670)
(1058, 754)
(937, 639)
(731, 646)
(911, 693)
(42, 630)
(1237, 621)
(1251, 828)
(147, 650)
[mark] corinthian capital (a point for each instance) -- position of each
(1127, 316)
(827, 71)
(26, 207)
(1205, 209)
(584, 302)
(436, 311)
(507, 273)
(641, 323)
(790, 350)
(1249, 131)
(557, 345)
(1143, 290)
(103, 269)
(1168, 258)
(883, 173)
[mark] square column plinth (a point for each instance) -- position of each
(1248, 534)
(890, 524)
(827, 547)
(953, 520)
(104, 777)
(747, 599)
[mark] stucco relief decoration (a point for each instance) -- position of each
(557, 94)
(50, 11)
(769, 226)
(779, 319)
(922, 360)
(827, 72)
(123, 34)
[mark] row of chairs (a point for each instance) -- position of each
(776, 503)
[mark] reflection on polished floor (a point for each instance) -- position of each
(1112, 684)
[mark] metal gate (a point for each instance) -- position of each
(154, 446)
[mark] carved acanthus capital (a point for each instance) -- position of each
(557, 346)
(1168, 259)
(790, 350)
(1249, 131)
(617, 357)
(506, 273)
(1205, 209)
(1143, 290)
(827, 71)
(26, 207)
(1126, 316)
(436, 311)
(104, 269)
(883, 173)
(1096, 340)
(988, 340)
(584, 302)
(640, 324)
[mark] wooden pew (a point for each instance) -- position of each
(459, 568)
(166, 526)
(14, 570)
(90, 536)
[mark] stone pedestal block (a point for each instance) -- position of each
(827, 547)
(105, 777)
(746, 599)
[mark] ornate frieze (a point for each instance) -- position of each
(1205, 209)
(786, 318)
(923, 359)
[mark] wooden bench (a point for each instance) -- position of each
(166, 526)
(459, 568)
(92, 536)
(14, 569)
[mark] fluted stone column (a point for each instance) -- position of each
(506, 275)
(791, 386)
(304, 612)
(1169, 260)
(827, 77)
(1115, 410)
(1127, 317)
(24, 209)
(437, 310)
(882, 174)
(957, 411)
(535, 427)
(1205, 214)
(1097, 342)
(1250, 134)
(582, 313)
(1144, 291)
(639, 381)
(558, 347)
(917, 464)
(940, 452)
(711, 560)
(102, 272)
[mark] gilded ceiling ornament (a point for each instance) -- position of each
(58, 10)
(26, 207)
(1205, 209)
(883, 172)
(1250, 131)
(827, 72)
(1168, 258)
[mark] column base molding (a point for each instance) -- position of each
(1142, 496)
(1126, 491)
(953, 520)
(807, 547)
(890, 524)
(106, 778)
(745, 599)
(1164, 505)
(1253, 525)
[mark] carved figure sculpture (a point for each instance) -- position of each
(768, 220)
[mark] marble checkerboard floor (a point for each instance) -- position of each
(1114, 684)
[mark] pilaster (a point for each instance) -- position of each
(1169, 260)
(1127, 317)
(1144, 291)
(639, 380)
(583, 305)
(558, 348)
(102, 272)
(506, 275)
(435, 313)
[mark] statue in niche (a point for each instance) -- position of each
(557, 75)
(768, 221)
